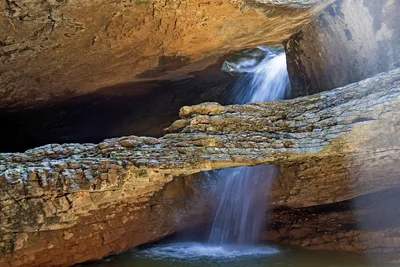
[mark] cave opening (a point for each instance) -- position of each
(142, 109)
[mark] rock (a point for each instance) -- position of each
(202, 109)
(367, 224)
(52, 50)
(243, 61)
(294, 3)
(348, 42)
(119, 111)
(177, 126)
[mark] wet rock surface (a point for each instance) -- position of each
(64, 204)
(244, 60)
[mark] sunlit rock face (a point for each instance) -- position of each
(53, 50)
(130, 66)
(348, 42)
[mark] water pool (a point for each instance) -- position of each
(194, 254)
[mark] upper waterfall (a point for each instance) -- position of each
(265, 80)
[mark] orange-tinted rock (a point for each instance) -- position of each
(55, 50)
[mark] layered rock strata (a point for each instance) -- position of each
(64, 204)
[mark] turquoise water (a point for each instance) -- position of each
(193, 254)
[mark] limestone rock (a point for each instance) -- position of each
(367, 224)
(202, 109)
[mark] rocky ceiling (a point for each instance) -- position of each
(55, 49)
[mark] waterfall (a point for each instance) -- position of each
(266, 81)
(240, 193)
(240, 211)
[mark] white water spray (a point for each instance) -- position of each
(267, 81)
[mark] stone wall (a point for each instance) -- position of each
(350, 41)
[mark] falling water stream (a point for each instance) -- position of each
(241, 192)
(266, 81)
(240, 197)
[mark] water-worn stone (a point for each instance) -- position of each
(330, 147)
